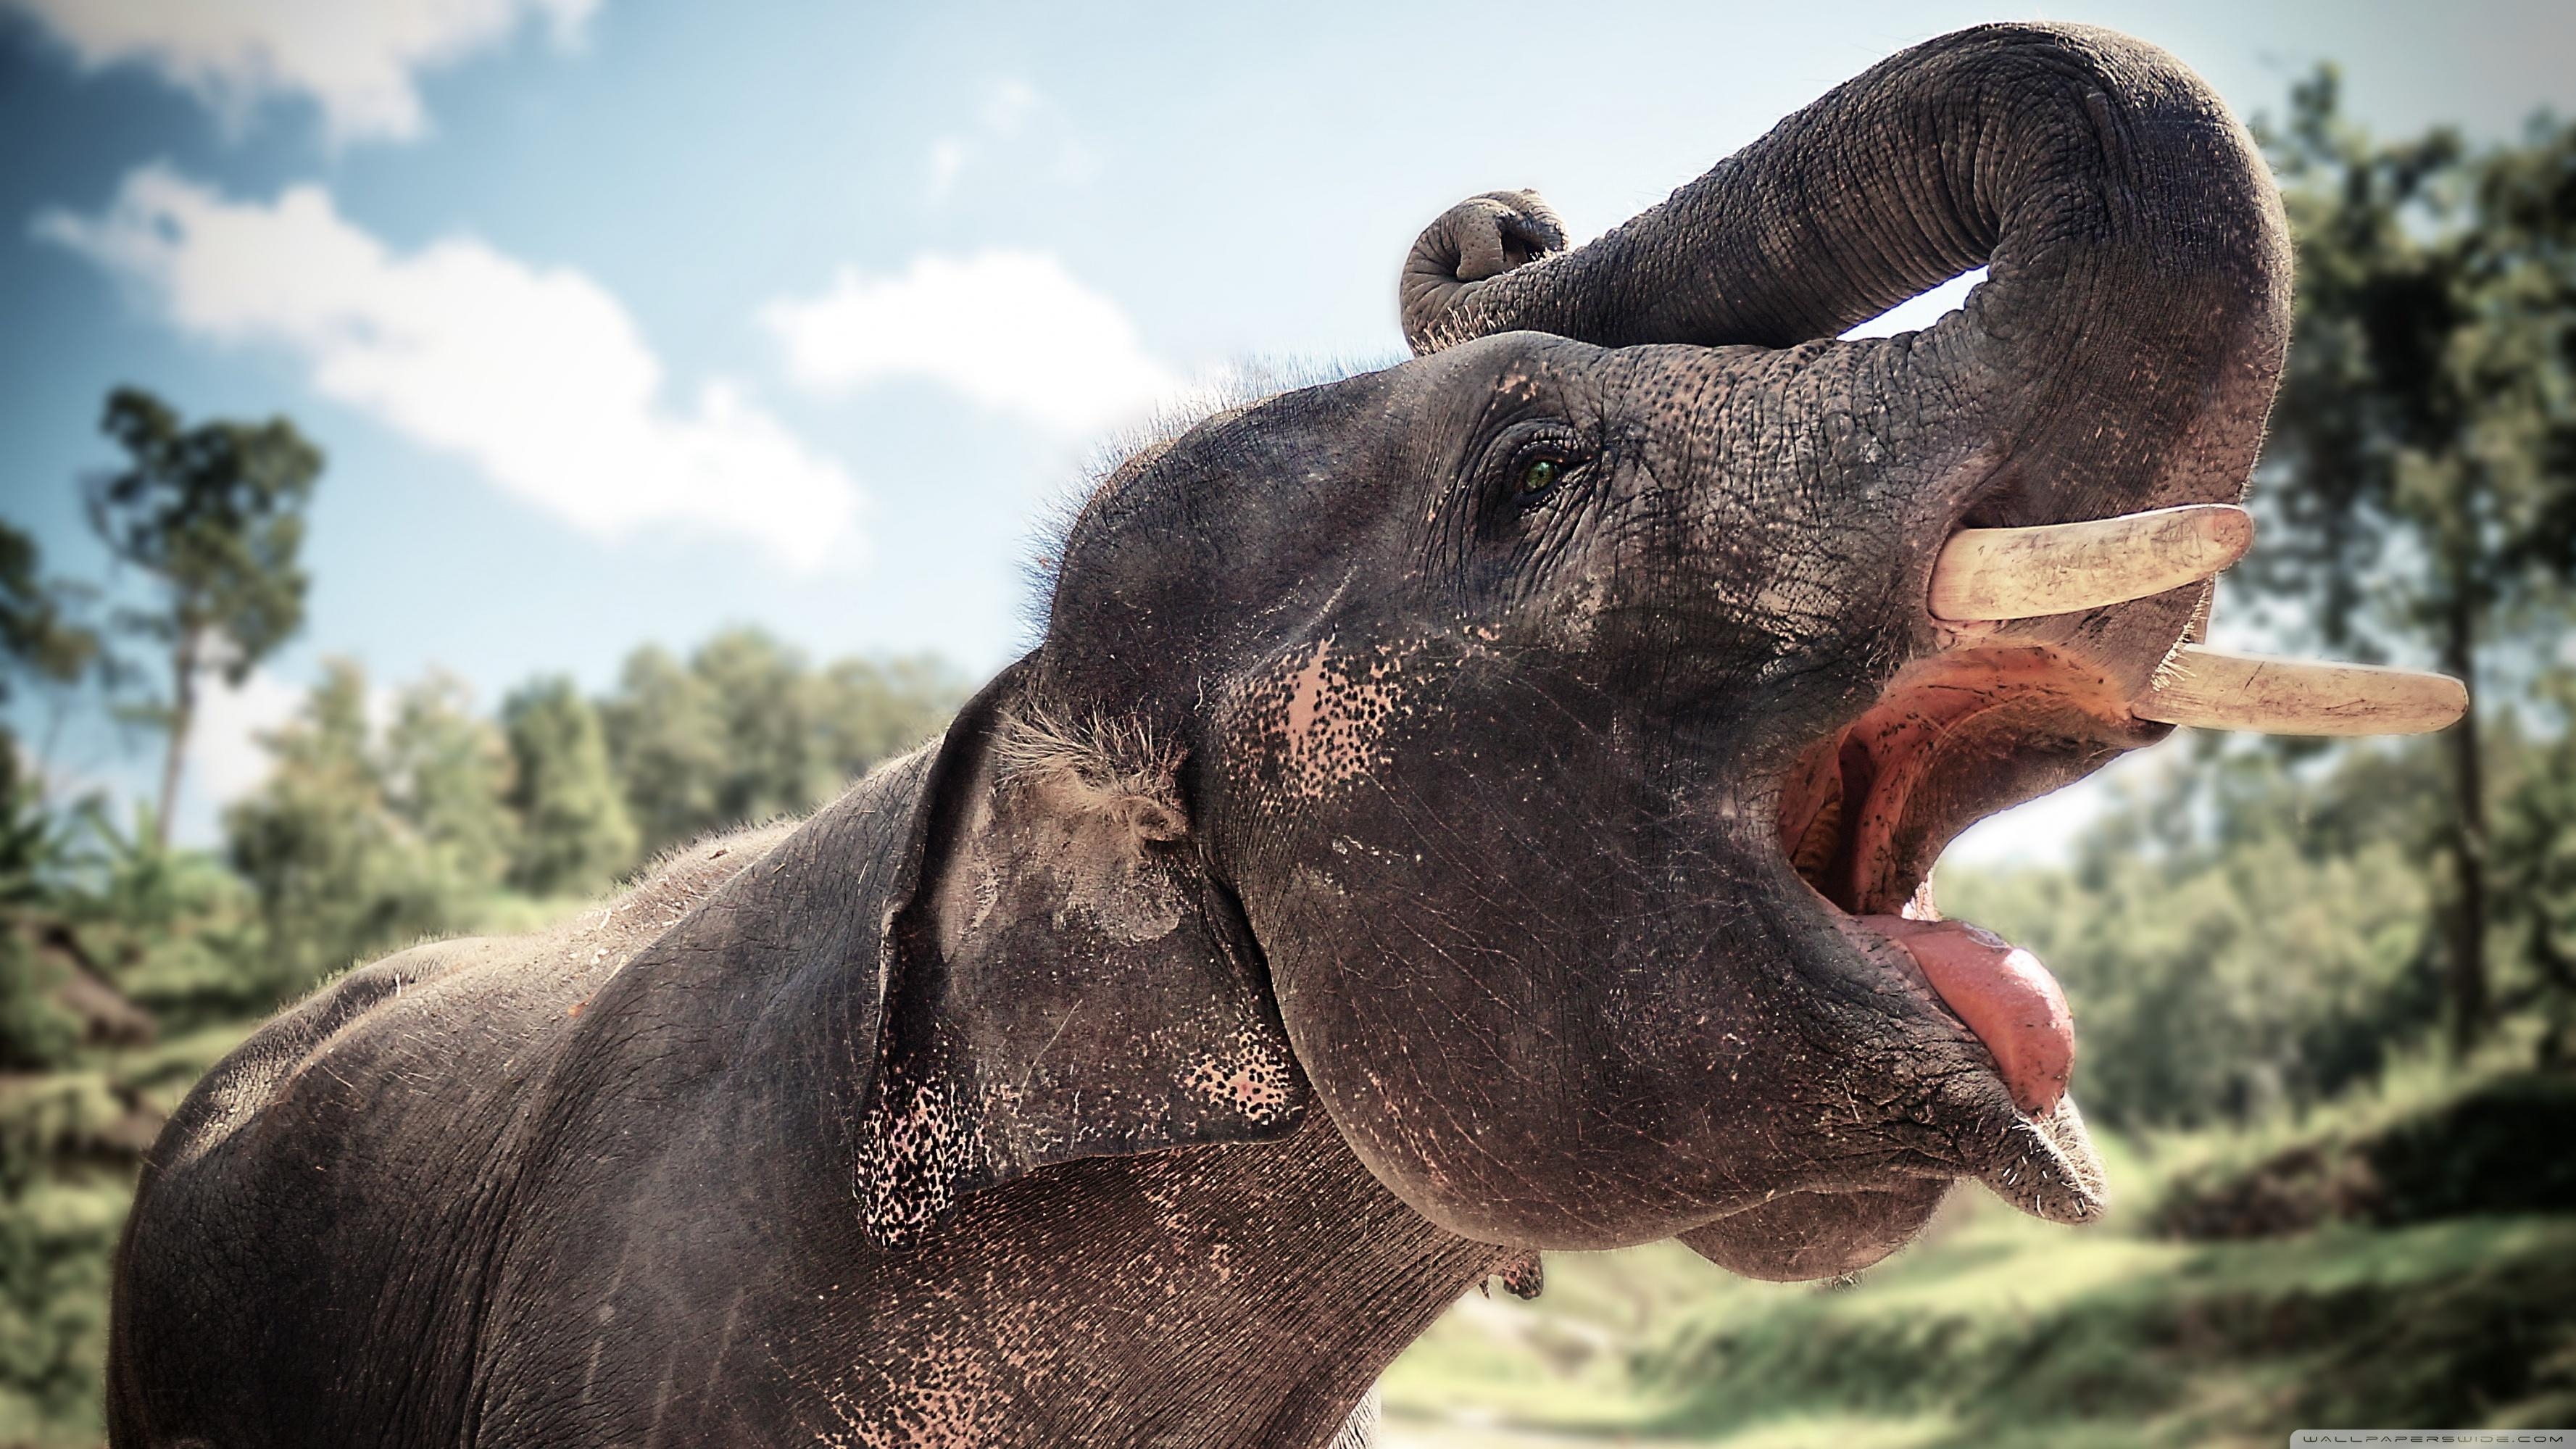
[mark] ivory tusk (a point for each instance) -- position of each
(2213, 689)
(2062, 568)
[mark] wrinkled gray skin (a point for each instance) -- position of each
(1381, 869)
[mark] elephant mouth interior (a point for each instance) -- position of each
(1867, 810)
(1953, 739)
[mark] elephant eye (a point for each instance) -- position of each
(1539, 476)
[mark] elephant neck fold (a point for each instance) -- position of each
(1237, 1293)
(1244, 1293)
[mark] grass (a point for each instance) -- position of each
(1999, 1330)
(55, 1240)
(2415, 1083)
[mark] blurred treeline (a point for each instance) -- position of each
(387, 819)
(2254, 934)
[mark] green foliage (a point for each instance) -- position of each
(765, 711)
(447, 774)
(338, 872)
(175, 931)
(872, 710)
(2000, 1330)
(2447, 1326)
(2420, 457)
(55, 1244)
(2235, 940)
(39, 636)
(2244, 934)
(2535, 854)
(2419, 485)
(746, 731)
(360, 841)
(214, 516)
(39, 642)
(574, 834)
(35, 1029)
(668, 739)
(83, 1090)
(2462, 1148)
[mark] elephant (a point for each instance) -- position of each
(1478, 806)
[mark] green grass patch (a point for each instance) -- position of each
(56, 1238)
(1999, 1330)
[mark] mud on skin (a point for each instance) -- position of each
(1443, 821)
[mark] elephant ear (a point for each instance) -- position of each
(1067, 978)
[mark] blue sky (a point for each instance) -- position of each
(621, 322)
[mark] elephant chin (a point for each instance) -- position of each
(1802, 1236)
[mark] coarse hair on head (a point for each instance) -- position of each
(1128, 452)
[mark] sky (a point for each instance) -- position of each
(623, 321)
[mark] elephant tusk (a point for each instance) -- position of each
(2214, 689)
(2063, 568)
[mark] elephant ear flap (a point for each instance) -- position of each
(1067, 979)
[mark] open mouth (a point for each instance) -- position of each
(1989, 722)
(1863, 816)
(1867, 810)
(1993, 721)
(1982, 726)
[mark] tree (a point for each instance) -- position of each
(40, 643)
(215, 515)
(872, 710)
(746, 731)
(667, 742)
(2236, 939)
(36, 1030)
(337, 873)
(447, 775)
(39, 637)
(2536, 869)
(764, 695)
(574, 833)
(2420, 484)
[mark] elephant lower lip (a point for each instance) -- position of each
(2003, 995)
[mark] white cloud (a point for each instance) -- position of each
(537, 376)
(225, 757)
(1075, 164)
(355, 58)
(1011, 329)
(1007, 103)
(947, 157)
(1002, 126)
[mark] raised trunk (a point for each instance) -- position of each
(2123, 351)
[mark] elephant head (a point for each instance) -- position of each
(1536, 752)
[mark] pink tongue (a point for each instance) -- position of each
(2004, 995)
